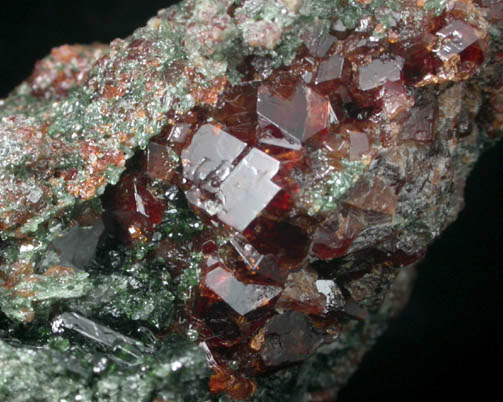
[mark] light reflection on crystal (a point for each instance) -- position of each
(301, 115)
(243, 298)
(179, 132)
(377, 72)
(248, 189)
(271, 135)
(332, 293)
(249, 254)
(209, 154)
(454, 38)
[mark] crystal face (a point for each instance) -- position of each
(208, 160)
(286, 172)
(454, 38)
(301, 115)
(319, 45)
(248, 189)
(243, 298)
(377, 72)
(289, 338)
(77, 247)
(241, 191)
(330, 69)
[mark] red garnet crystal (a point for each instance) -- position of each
(294, 161)
(318, 161)
(241, 297)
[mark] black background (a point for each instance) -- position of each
(446, 344)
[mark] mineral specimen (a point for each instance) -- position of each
(235, 189)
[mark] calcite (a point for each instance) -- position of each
(287, 162)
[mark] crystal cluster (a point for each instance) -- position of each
(314, 184)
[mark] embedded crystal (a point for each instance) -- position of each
(281, 180)
(301, 115)
(378, 71)
(419, 126)
(373, 196)
(330, 69)
(454, 38)
(77, 247)
(333, 238)
(242, 297)
(248, 189)
(207, 161)
(289, 337)
(358, 145)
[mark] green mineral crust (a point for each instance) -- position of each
(230, 203)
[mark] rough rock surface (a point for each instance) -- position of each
(276, 169)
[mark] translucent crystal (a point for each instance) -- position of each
(77, 247)
(301, 115)
(209, 156)
(378, 71)
(248, 189)
(241, 297)
(454, 38)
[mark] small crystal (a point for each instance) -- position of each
(301, 294)
(395, 98)
(334, 297)
(359, 144)
(455, 38)
(242, 298)
(377, 72)
(179, 132)
(330, 69)
(159, 164)
(77, 247)
(333, 239)
(289, 338)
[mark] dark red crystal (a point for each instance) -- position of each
(455, 38)
(241, 297)
(135, 209)
(301, 114)
(294, 171)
